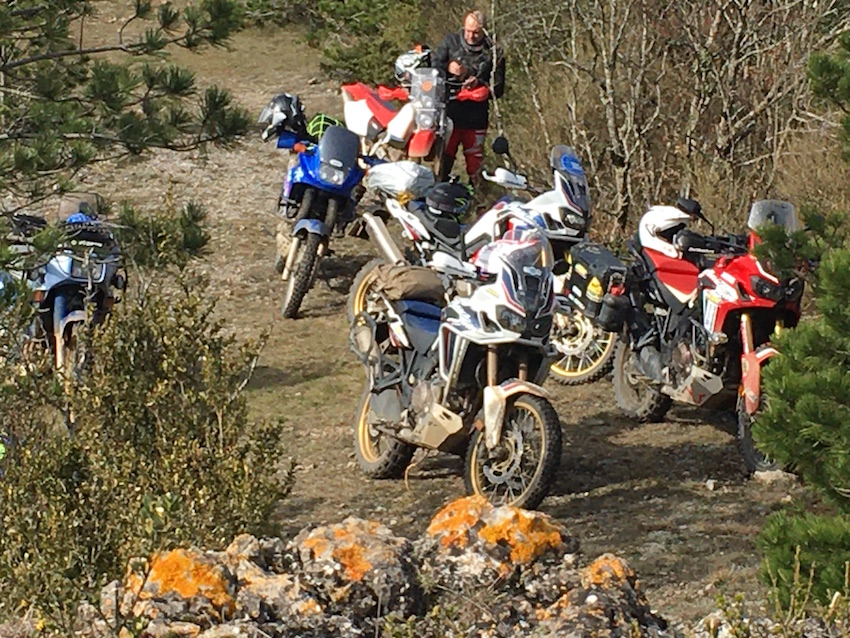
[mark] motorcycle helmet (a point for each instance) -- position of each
(283, 113)
(448, 198)
(406, 62)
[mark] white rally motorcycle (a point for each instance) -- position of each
(465, 378)
(440, 242)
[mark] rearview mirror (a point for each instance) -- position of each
(500, 145)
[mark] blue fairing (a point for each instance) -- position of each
(287, 139)
(306, 171)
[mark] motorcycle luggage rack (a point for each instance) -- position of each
(364, 344)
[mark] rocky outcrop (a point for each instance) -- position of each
(504, 571)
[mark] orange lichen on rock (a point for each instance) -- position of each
(607, 571)
(527, 534)
(345, 549)
(310, 608)
(456, 519)
(352, 558)
(185, 573)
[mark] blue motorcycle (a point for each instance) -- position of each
(318, 193)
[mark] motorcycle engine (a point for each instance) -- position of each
(424, 394)
(685, 354)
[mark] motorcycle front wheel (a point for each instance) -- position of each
(379, 455)
(520, 470)
(301, 277)
(636, 398)
(587, 352)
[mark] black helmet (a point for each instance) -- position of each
(449, 198)
(283, 113)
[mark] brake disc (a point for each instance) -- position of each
(502, 472)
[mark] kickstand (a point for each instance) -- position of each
(413, 463)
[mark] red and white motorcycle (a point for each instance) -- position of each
(420, 128)
(697, 314)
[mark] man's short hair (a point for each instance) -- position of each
(480, 18)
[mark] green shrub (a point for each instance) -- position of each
(162, 452)
(807, 421)
(805, 551)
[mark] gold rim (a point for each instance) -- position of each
(588, 349)
(477, 478)
(367, 443)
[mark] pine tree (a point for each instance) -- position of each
(65, 104)
(806, 424)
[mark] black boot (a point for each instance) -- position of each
(446, 168)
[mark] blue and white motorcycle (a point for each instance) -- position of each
(318, 193)
(464, 378)
(73, 285)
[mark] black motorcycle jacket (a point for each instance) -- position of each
(478, 62)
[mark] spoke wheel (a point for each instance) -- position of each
(520, 470)
(634, 396)
(379, 455)
(587, 352)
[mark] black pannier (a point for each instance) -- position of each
(595, 285)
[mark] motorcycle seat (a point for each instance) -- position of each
(445, 230)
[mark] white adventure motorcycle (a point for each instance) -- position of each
(464, 378)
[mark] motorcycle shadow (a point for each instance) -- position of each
(606, 450)
(272, 377)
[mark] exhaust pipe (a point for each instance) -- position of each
(380, 237)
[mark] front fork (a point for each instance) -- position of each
(496, 395)
(752, 360)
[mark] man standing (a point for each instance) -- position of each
(470, 59)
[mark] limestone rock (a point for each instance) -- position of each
(470, 542)
(359, 567)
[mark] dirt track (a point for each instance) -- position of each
(671, 497)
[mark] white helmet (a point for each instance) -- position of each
(406, 62)
(659, 225)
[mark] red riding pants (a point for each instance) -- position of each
(472, 141)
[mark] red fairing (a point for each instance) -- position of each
(420, 143)
(382, 111)
(677, 274)
(393, 93)
(738, 271)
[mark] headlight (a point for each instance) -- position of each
(331, 175)
(766, 289)
(80, 271)
(425, 120)
(510, 320)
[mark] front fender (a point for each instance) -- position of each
(751, 364)
(496, 400)
(313, 226)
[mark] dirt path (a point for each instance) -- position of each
(672, 497)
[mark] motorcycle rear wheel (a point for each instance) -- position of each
(361, 289)
(520, 470)
(379, 455)
(636, 398)
(588, 351)
(301, 278)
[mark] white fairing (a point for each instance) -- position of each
(401, 126)
(656, 220)
(357, 115)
